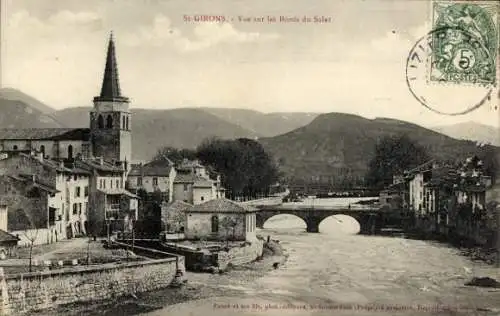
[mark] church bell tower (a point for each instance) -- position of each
(110, 119)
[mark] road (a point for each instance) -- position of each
(332, 272)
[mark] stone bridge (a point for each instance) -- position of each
(370, 219)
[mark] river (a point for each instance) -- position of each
(336, 271)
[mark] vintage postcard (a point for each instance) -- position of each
(250, 157)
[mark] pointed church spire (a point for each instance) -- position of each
(110, 90)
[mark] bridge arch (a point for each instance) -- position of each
(346, 224)
(283, 221)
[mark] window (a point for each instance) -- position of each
(15, 147)
(126, 120)
(100, 122)
(86, 191)
(155, 181)
(111, 183)
(185, 187)
(77, 193)
(70, 152)
(117, 183)
(79, 208)
(123, 122)
(75, 208)
(139, 181)
(42, 150)
(104, 183)
(202, 198)
(109, 122)
(215, 224)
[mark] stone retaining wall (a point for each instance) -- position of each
(240, 255)
(35, 291)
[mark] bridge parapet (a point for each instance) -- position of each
(271, 201)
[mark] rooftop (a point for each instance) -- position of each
(6, 236)
(118, 191)
(45, 133)
(98, 164)
(179, 205)
(191, 178)
(222, 206)
(153, 168)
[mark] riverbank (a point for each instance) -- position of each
(198, 286)
(467, 247)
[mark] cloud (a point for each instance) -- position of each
(23, 20)
(205, 35)
(66, 17)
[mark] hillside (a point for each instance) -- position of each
(265, 124)
(16, 95)
(471, 131)
(152, 129)
(22, 111)
(335, 141)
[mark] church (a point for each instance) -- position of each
(108, 136)
(67, 182)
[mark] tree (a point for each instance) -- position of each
(245, 167)
(149, 222)
(489, 156)
(392, 156)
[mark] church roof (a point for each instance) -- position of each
(45, 133)
(110, 90)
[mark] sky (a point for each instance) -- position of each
(54, 50)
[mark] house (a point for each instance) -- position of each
(193, 189)
(220, 219)
(153, 177)
(419, 198)
(394, 196)
(111, 206)
(192, 184)
(29, 214)
(173, 216)
(68, 187)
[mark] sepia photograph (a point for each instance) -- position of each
(249, 157)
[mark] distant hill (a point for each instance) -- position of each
(265, 124)
(16, 95)
(152, 129)
(338, 141)
(19, 110)
(471, 131)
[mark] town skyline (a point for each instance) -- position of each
(166, 62)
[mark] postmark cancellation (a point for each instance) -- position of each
(464, 42)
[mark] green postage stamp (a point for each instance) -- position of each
(465, 44)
